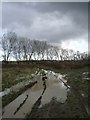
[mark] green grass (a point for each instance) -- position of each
(9, 75)
(75, 78)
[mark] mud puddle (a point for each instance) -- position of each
(49, 85)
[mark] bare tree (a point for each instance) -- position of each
(43, 49)
(50, 52)
(22, 48)
(84, 56)
(17, 49)
(38, 49)
(32, 48)
(8, 41)
(71, 54)
(25, 48)
(55, 53)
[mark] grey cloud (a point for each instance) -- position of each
(53, 22)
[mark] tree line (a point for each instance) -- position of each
(22, 48)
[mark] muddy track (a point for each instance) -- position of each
(21, 105)
(40, 98)
(16, 94)
(38, 102)
(64, 83)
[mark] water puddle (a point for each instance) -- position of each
(86, 75)
(49, 85)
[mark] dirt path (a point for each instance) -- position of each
(41, 94)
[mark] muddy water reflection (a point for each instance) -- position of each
(50, 87)
(54, 88)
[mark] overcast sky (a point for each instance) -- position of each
(62, 24)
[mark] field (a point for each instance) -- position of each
(75, 72)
